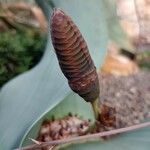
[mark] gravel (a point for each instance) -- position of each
(124, 100)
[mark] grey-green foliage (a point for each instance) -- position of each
(25, 98)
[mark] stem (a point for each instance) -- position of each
(95, 108)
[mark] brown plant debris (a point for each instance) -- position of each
(67, 127)
(87, 137)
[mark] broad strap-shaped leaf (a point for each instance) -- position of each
(24, 99)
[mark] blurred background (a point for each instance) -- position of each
(22, 37)
(23, 29)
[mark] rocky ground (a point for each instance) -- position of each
(124, 101)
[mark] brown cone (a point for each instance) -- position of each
(73, 56)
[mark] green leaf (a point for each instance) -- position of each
(27, 97)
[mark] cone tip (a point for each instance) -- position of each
(57, 16)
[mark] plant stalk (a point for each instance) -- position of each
(95, 108)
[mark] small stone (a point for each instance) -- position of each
(45, 129)
(47, 138)
(55, 126)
